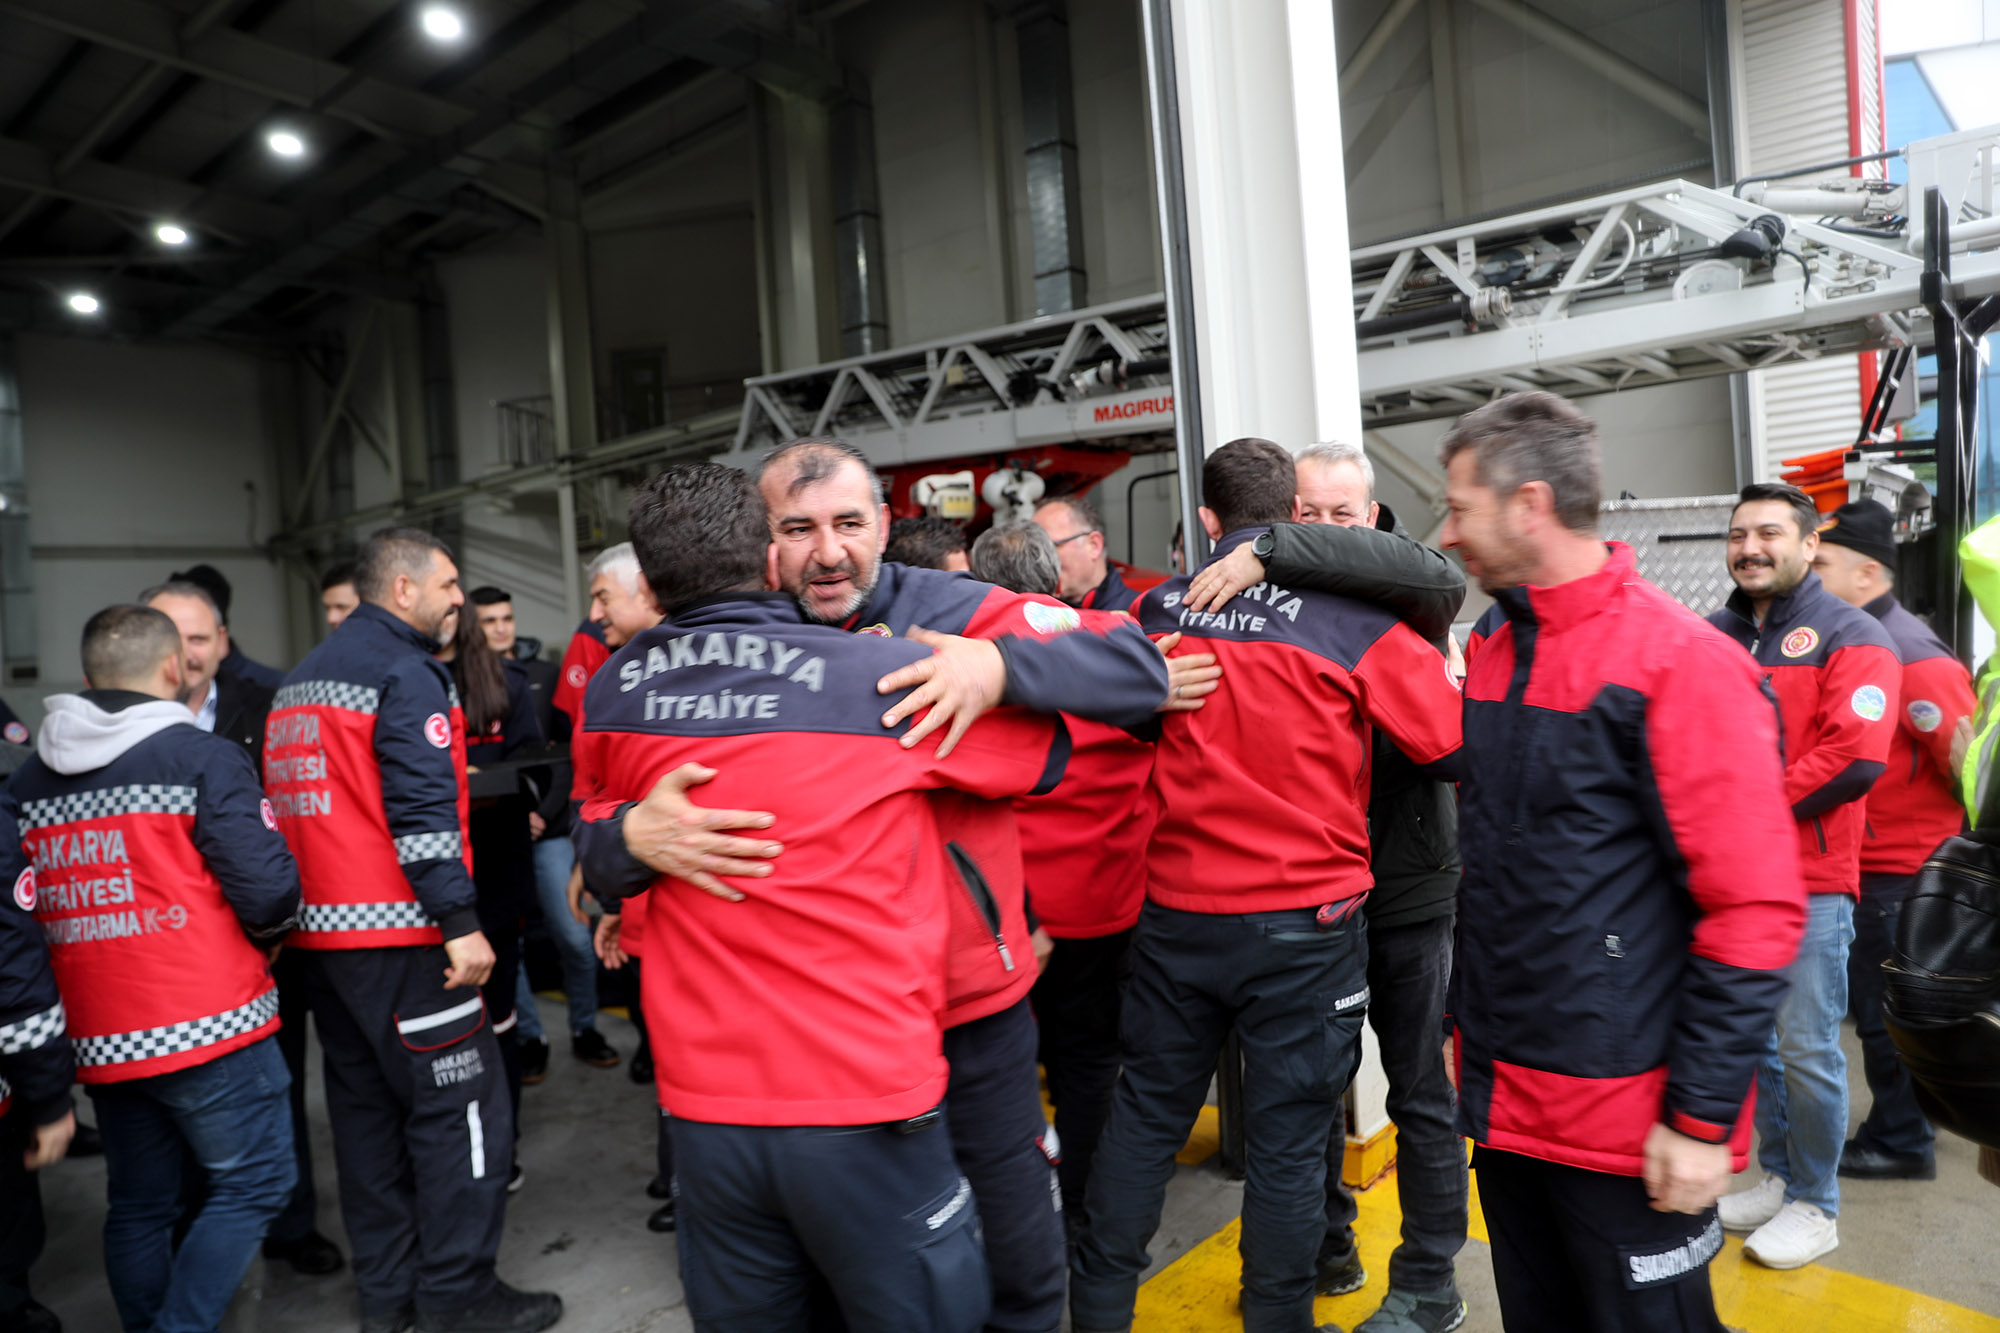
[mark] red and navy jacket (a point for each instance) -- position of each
(1111, 595)
(364, 758)
(1836, 676)
(1632, 889)
(1264, 791)
(1110, 673)
(817, 1000)
(586, 653)
(1085, 843)
(1914, 805)
(37, 1058)
(159, 879)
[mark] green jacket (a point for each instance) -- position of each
(1412, 819)
(1979, 561)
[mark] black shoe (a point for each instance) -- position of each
(1404, 1311)
(86, 1142)
(662, 1218)
(590, 1047)
(311, 1254)
(34, 1317)
(659, 1187)
(1336, 1275)
(534, 1060)
(397, 1321)
(516, 1178)
(642, 1066)
(501, 1310)
(1859, 1163)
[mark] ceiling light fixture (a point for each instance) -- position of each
(83, 303)
(168, 233)
(285, 144)
(442, 23)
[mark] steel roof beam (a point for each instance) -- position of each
(139, 194)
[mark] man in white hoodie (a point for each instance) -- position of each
(162, 884)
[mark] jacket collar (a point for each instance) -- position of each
(1786, 609)
(375, 615)
(1882, 607)
(1565, 604)
(736, 610)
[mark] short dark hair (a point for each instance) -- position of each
(123, 645)
(390, 552)
(923, 542)
(1805, 514)
(817, 457)
(1249, 481)
(488, 595)
(1019, 557)
(1080, 508)
(699, 529)
(182, 588)
(1533, 436)
(341, 571)
(210, 578)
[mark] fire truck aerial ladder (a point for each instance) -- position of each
(1645, 286)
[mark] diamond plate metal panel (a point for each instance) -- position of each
(1679, 544)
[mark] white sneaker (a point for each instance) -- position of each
(1746, 1210)
(1799, 1234)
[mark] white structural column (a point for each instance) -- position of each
(1266, 204)
(1270, 283)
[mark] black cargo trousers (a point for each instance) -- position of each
(423, 1131)
(1294, 990)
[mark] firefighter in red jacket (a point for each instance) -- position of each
(1911, 809)
(364, 760)
(1631, 895)
(162, 885)
(830, 526)
(799, 1029)
(1252, 922)
(1836, 678)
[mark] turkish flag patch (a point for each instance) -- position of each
(270, 815)
(24, 889)
(576, 676)
(437, 730)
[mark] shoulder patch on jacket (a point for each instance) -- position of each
(24, 889)
(1800, 642)
(1869, 703)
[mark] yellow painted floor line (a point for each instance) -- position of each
(1206, 1140)
(1197, 1293)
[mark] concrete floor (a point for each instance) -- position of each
(577, 1227)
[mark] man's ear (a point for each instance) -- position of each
(882, 524)
(222, 638)
(645, 593)
(1298, 507)
(1210, 523)
(771, 583)
(176, 674)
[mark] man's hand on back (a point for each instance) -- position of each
(961, 679)
(49, 1142)
(671, 835)
(1211, 588)
(1190, 677)
(471, 961)
(1684, 1175)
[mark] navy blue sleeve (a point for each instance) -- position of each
(1117, 677)
(420, 796)
(36, 1057)
(610, 872)
(239, 839)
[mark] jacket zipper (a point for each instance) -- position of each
(1819, 831)
(974, 879)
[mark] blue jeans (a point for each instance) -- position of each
(233, 1118)
(1802, 1084)
(553, 861)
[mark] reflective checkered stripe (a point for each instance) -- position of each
(32, 1032)
(116, 1056)
(328, 694)
(107, 803)
(338, 918)
(443, 846)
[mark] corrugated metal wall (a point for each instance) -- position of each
(1798, 107)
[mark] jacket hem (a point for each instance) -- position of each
(778, 1112)
(131, 1070)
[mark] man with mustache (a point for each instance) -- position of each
(1836, 677)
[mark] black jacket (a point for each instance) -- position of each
(1412, 819)
(241, 705)
(37, 1060)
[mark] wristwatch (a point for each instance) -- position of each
(1264, 543)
